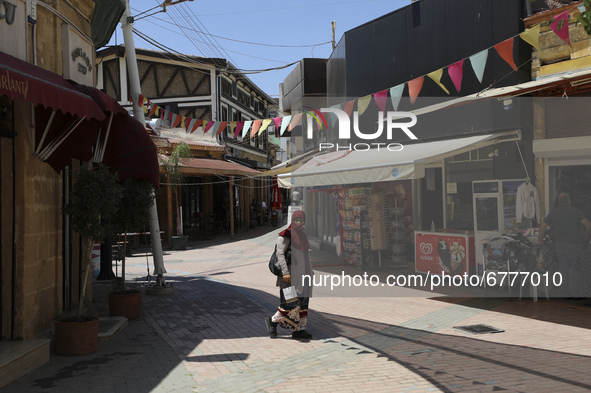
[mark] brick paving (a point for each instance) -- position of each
(210, 336)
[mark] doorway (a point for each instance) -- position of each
(432, 198)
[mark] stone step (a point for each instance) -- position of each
(18, 358)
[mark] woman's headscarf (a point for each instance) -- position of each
(299, 239)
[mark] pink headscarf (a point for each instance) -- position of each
(296, 231)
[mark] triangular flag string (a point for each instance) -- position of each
(436, 76)
(256, 124)
(478, 62)
(414, 88)
(456, 71)
(505, 50)
(532, 36)
(265, 124)
(560, 27)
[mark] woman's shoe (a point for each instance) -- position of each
(271, 326)
(301, 334)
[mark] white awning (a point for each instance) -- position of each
(386, 165)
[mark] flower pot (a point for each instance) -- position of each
(126, 304)
(179, 242)
(74, 338)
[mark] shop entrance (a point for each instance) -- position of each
(574, 180)
(431, 196)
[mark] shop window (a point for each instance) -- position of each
(458, 188)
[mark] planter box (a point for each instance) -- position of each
(126, 304)
(179, 242)
(76, 338)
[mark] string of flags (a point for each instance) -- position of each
(251, 128)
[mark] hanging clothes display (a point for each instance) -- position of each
(528, 202)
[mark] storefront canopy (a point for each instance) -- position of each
(207, 166)
(386, 165)
(29, 83)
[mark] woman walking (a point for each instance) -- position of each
(294, 315)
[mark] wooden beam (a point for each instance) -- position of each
(170, 80)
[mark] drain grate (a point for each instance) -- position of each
(479, 329)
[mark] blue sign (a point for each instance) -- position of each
(395, 172)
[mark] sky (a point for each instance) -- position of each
(253, 36)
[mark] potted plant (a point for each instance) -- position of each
(133, 212)
(94, 196)
(170, 165)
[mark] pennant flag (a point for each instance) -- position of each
(140, 100)
(170, 117)
(363, 103)
(183, 122)
(264, 126)
(190, 125)
(381, 97)
(207, 125)
(478, 62)
(349, 107)
(581, 7)
(163, 115)
(395, 95)
(436, 76)
(213, 126)
(176, 120)
(294, 121)
(221, 127)
(133, 97)
(153, 110)
(246, 127)
(145, 109)
(239, 125)
(277, 122)
(560, 27)
(414, 88)
(232, 126)
(196, 125)
(284, 123)
(255, 128)
(505, 50)
(532, 36)
(456, 72)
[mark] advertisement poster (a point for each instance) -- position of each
(440, 253)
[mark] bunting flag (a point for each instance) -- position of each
(277, 122)
(436, 76)
(214, 127)
(380, 98)
(176, 120)
(265, 124)
(505, 50)
(414, 88)
(246, 127)
(221, 127)
(140, 100)
(163, 115)
(349, 107)
(183, 122)
(560, 27)
(196, 125)
(396, 95)
(532, 36)
(295, 120)
(362, 104)
(239, 126)
(478, 62)
(207, 124)
(456, 71)
(190, 125)
(233, 127)
(153, 110)
(255, 128)
(170, 117)
(284, 124)
(133, 97)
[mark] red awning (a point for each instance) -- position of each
(123, 143)
(29, 83)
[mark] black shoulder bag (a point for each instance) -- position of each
(274, 266)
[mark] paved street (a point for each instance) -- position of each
(211, 337)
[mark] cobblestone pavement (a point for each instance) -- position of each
(210, 336)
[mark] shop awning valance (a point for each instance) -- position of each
(208, 166)
(29, 83)
(385, 165)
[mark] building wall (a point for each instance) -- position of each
(31, 193)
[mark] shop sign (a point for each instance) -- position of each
(77, 57)
(82, 68)
(440, 253)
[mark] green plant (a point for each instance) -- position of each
(170, 165)
(133, 212)
(94, 196)
(585, 17)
